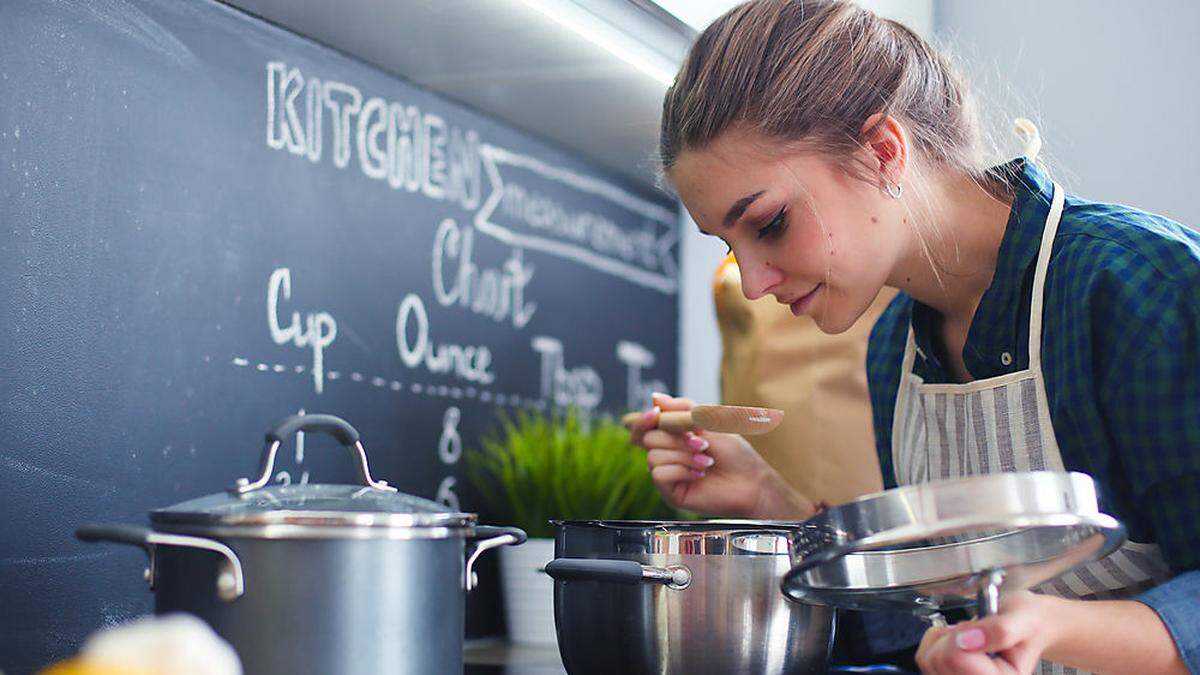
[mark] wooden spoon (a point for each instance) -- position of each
(729, 419)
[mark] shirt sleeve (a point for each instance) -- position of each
(1151, 406)
(1150, 402)
(1176, 603)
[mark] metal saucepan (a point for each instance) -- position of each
(318, 578)
(681, 597)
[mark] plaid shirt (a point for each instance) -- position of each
(1120, 356)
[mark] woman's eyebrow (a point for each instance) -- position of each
(739, 207)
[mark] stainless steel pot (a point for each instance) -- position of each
(681, 597)
(318, 578)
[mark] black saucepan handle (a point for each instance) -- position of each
(330, 424)
(580, 569)
(134, 535)
(490, 531)
(677, 577)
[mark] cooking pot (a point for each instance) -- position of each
(681, 597)
(318, 578)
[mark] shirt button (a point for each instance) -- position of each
(1006, 359)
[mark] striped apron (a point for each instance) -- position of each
(1003, 424)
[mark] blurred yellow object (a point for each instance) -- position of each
(171, 644)
(825, 446)
(79, 666)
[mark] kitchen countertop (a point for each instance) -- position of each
(493, 657)
(496, 657)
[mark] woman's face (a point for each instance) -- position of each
(802, 230)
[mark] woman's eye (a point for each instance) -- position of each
(776, 225)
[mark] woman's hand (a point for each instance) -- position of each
(1109, 636)
(711, 473)
(1009, 643)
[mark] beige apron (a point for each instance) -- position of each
(1003, 424)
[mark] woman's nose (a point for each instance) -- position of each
(758, 279)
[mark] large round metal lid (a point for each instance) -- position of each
(950, 543)
(314, 505)
(258, 509)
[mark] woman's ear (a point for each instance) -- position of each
(886, 141)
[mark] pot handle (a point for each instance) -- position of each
(677, 577)
(330, 424)
(491, 536)
(231, 583)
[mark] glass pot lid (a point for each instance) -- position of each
(372, 504)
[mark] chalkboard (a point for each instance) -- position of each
(210, 223)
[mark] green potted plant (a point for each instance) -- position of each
(537, 467)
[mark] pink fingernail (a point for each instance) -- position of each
(970, 640)
(697, 474)
(697, 443)
(702, 461)
(650, 414)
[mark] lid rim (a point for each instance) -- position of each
(293, 532)
(313, 505)
(366, 519)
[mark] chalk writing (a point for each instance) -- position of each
(499, 294)
(318, 332)
(580, 386)
(636, 359)
(445, 493)
(450, 445)
(527, 219)
(394, 143)
(469, 362)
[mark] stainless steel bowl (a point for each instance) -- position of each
(681, 597)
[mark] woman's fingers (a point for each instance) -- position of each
(657, 438)
(649, 418)
(647, 421)
(666, 475)
(696, 461)
(666, 402)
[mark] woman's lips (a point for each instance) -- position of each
(805, 302)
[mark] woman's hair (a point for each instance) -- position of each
(810, 73)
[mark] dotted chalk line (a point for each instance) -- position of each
(454, 392)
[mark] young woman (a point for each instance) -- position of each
(836, 153)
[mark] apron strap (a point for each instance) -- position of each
(1039, 278)
(903, 392)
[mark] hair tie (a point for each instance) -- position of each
(1028, 132)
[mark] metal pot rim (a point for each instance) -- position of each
(322, 524)
(293, 531)
(717, 525)
(689, 537)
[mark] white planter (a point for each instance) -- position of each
(528, 592)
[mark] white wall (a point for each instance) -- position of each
(1112, 85)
